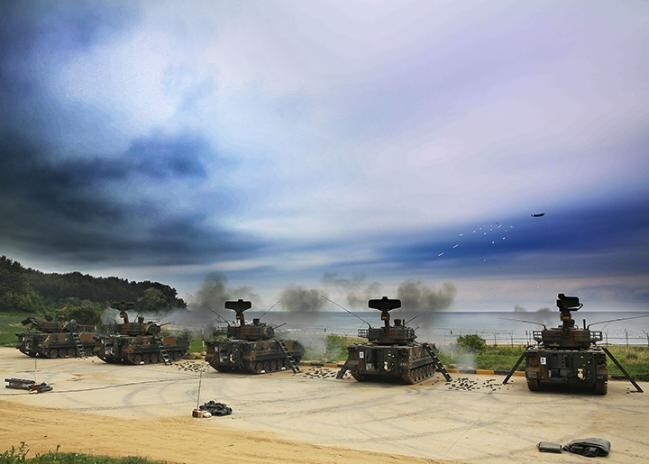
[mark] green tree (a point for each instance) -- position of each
(153, 300)
(83, 311)
(473, 342)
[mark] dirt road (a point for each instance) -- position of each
(479, 422)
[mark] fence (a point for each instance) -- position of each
(498, 337)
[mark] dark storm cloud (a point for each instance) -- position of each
(71, 208)
(90, 204)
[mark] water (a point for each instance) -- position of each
(444, 327)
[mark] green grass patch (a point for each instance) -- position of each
(16, 455)
(635, 360)
(196, 345)
(9, 325)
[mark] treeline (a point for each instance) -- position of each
(30, 290)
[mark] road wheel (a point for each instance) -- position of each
(533, 385)
(601, 387)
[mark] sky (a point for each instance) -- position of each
(280, 143)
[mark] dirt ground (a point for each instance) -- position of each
(310, 418)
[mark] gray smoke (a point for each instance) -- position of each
(519, 309)
(300, 299)
(356, 290)
(417, 296)
(210, 299)
(214, 293)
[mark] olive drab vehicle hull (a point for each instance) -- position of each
(55, 345)
(251, 348)
(389, 363)
(252, 357)
(568, 356)
(140, 349)
(582, 369)
(138, 342)
(49, 339)
(391, 354)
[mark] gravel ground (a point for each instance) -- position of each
(471, 419)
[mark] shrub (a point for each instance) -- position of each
(474, 343)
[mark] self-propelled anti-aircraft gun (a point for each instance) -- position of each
(251, 348)
(391, 354)
(567, 355)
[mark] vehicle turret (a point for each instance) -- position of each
(567, 335)
(43, 325)
(251, 348)
(397, 334)
(392, 353)
(251, 332)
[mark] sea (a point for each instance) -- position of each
(443, 328)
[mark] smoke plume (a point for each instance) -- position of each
(300, 299)
(210, 299)
(356, 290)
(214, 293)
(417, 296)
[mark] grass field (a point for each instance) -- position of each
(9, 325)
(18, 454)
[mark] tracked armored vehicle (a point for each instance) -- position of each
(251, 348)
(138, 342)
(391, 354)
(56, 339)
(567, 355)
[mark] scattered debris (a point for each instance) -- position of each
(29, 385)
(590, 447)
(549, 447)
(191, 366)
(322, 373)
(216, 409)
(200, 414)
(467, 384)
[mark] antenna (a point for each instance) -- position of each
(269, 308)
(412, 319)
(521, 320)
(616, 320)
(346, 310)
(218, 316)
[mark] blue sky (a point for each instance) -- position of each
(275, 142)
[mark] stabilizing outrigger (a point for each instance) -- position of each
(568, 355)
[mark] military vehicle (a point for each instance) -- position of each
(138, 342)
(567, 355)
(251, 348)
(56, 339)
(391, 353)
